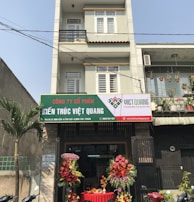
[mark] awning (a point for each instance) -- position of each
(159, 121)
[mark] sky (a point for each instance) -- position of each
(29, 53)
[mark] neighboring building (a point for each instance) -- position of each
(30, 148)
(169, 77)
(97, 61)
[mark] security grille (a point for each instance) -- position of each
(142, 149)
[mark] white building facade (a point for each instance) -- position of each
(95, 55)
(94, 48)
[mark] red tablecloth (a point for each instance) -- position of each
(101, 197)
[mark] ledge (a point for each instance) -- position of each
(159, 121)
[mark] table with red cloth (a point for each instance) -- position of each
(96, 197)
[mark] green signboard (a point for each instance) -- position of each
(95, 108)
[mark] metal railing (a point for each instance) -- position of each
(72, 36)
(25, 163)
(173, 104)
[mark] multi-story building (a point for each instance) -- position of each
(169, 77)
(94, 54)
(95, 60)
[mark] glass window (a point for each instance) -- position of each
(110, 25)
(105, 21)
(107, 79)
(73, 82)
(100, 25)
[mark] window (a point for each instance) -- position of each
(73, 21)
(107, 79)
(73, 82)
(73, 27)
(105, 21)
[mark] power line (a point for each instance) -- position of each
(26, 35)
(135, 33)
(38, 39)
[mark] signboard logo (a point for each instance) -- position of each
(115, 102)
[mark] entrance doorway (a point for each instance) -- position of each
(94, 160)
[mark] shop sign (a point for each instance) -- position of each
(95, 108)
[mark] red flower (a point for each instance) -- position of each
(121, 173)
(68, 173)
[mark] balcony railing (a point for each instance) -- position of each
(170, 106)
(72, 36)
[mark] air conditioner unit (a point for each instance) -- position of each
(147, 60)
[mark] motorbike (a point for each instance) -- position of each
(7, 198)
(184, 197)
(29, 198)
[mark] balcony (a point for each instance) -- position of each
(173, 110)
(173, 106)
(72, 36)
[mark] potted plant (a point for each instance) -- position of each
(180, 104)
(161, 78)
(171, 92)
(166, 106)
(185, 185)
(151, 75)
(189, 104)
(168, 196)
(169, 77)
(186, 88)
(177, 76)
(163, 104)
(153, 103)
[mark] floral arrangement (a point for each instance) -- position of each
(121, 173)
(72, 197)
(103, 181)
(123, 197)
(69, 175)
(70, 156)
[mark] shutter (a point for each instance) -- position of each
(73, 86)
(77, 86)
(102, 83)
(73, 82)
(110, 25)
(113, 83)
(70, 85)
(100, 25)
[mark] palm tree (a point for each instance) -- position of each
(17, 125)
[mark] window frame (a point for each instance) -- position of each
(105, 25)
(106, 70)
(71, 76)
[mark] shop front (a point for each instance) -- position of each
(97, 129)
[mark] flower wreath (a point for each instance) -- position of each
(121, 173)
(69, 175)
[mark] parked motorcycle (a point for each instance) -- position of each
(7, 198)
(29, 198)
(184, 197)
